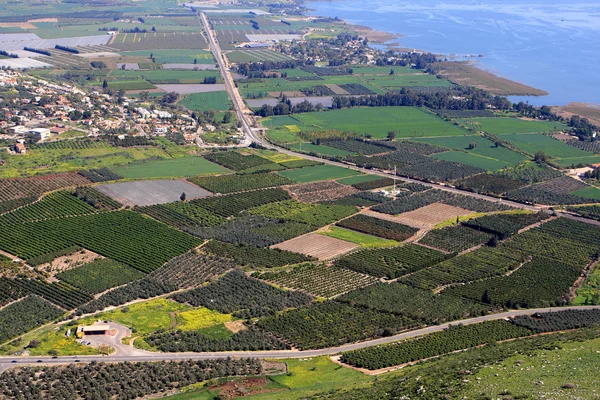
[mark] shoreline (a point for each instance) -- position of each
(466, 72)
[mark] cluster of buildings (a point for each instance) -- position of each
(33, 110)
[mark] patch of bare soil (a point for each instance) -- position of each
(22, 25)
(245, 387)
(373, 35)
(236, 326)
(467, 73)
(318, 246)
(64, 263)
(43, 20)
(293, 93)
(586, 110)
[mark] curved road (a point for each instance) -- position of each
(8, 362)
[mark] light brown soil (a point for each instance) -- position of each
(242, 387)
(373, 35)
(319, 246)
(22, 25)
(236, 326)
(336, 89)
(68, 262)
(431, 215)
(292, 93)
(44, 20)
(320, 191)
(467, 73)
(586, 110)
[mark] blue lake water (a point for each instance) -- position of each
(548, 44)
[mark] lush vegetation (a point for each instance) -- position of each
(592, 211)
(559, 321)
(192, 268)
(52, 206)
(60, 293)
(235, 203)
(245, 297)
(505, 225)
(409, 203)
(96, 199)
(123, 236)
(317, 173)
(251, 339)
(378, 227)
(182, 214)
(254, 256)
(452, 339)
(237, 161)
(141, 289)
(253, 231)
(318, 279)
(332, 324)
(100, 275)
(391, 262)
(312, 214)
(239, 183)
(455, 238)
(374, 184)
(24, 315)
(418, 304)
(99, 174)
(124, 380)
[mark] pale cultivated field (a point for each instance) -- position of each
(319, 246)
(431, 215)
(320, 191)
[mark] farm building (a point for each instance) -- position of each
(91, 330)
(40, 133)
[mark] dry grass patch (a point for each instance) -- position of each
(431, 215)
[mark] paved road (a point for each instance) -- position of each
(8, 362)
(233, 92)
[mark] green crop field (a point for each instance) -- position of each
(406, 121)
(591, 192)
(167, 75)
(218, 101)
(174, 168)
(531, 143)
(358, 179)
(317, 173)
(361, 239)
(174, 56)
(322, 150)
(241, 56)
(511, 125)
(484, 148)
(475, 160)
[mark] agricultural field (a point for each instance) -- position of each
(174, 56)
(311, 214)
(378, 227)
(555, 149)
(415, 303)
(318, 279)
(123, 236)
(317, 246)
(254, 256)
(455, 238)
(241, 162)
(173, 168)
(218, 101)
(391, 262)
(237, 183)
(309, 148)
(499, 125)
(100, 275)
(191, 269)
(243, 296)
(431, 215)
(242, 56)
(317, 173)
(31, 312)
(182, 214)
(363, 240)
(147, 193)
(320, 191)
(480, 147)
(406, 121)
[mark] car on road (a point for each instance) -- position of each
(13, 361)
(39, 361)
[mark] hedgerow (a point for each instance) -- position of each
(255, 256)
